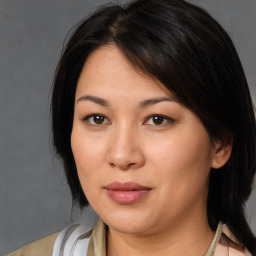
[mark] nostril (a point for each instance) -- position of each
(122, 166)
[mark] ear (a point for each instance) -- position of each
(221, 154)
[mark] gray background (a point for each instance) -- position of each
(34, 198)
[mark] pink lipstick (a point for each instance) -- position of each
(126, 193)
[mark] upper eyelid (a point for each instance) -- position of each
(160, 115)
(92, 115)
(168, 118)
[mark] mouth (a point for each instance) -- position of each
(126, 193)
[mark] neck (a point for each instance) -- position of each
(192, 237)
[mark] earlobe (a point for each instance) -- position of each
(222, 153)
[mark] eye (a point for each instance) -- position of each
(158, 120)
(96, 119)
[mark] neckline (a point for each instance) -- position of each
(215, 240)
(98, 240)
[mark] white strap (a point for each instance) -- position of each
(72, 241)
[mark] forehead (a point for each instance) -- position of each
(107, 71)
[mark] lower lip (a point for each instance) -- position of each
(127, 196)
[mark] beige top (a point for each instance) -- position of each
(42, 247)
(224, 244)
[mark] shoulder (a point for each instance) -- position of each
(229, 245)
(74, 238)
(42, 247)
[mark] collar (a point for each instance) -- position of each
(97, 244)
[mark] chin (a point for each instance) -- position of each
(130, 223)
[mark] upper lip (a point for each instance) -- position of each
(126, 186)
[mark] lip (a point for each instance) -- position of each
(126, 193)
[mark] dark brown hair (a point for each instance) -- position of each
(189, 52)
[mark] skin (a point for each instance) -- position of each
(173, 157)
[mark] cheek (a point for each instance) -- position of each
(88, 159)
(88, 156)
(181, 151)
(184, 161)
(181, 172)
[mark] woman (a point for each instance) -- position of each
(153, 119)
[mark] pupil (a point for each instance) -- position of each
(158, 119)
(98, 119)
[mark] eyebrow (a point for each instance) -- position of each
(142, 104)
(153, 101)
(94, 99)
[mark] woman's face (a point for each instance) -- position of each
(143, 159)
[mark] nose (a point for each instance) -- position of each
(125, 150)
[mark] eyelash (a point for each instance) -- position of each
(93, 116)
(162, 117)
(165, 119)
